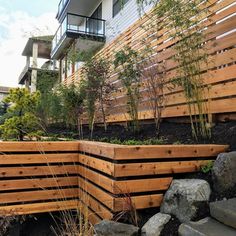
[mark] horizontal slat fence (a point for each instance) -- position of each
(40, 177)
(112, 176)
(219, 23)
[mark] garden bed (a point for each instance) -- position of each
(170, 133)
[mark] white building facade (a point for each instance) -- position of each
(87, 24)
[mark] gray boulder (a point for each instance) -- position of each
(185, 197)
(155, 225)
(111, 228)
(205, 227)
(223, 172)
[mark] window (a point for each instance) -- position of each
(117, 6)
(94, 26)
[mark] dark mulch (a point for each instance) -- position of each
(222, 133)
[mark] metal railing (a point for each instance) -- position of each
(81, 25)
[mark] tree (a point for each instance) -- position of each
(129, 74)
(71, 99)
(22, 119)
(45, 83)
(97, 88)
(153, 79)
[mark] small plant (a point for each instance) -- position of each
(153, 141)
(97, 89)
(129, 213)
(22, 120)
(153, 79)
(207, 168)
(45, 83)
(71, 100)
(129, 74)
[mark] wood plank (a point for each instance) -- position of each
(40, 195)
(215, 107)
(38, 158)
(99, 194)
(96, 148)
(157, 168)
(38, 208)
(95, 205)
(98, 179)
(140, 202)
(168, 151)
(38, 183)
(38, 171)
(216, 91)
(96, 163)
(38, 146)
(141, 185)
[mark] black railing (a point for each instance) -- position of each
(78, 25)
(61, 6)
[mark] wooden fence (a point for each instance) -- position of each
(40, 177)
(220, 35)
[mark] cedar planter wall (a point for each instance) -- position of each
(220, 24)
(40, 177)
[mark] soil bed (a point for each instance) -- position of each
(170, 133)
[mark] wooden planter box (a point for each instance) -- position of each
(53, 176)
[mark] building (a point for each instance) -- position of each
(86, 25)
(37, 51)
(4, 91)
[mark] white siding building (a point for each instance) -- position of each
(87, 24)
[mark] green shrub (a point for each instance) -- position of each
(21, 115)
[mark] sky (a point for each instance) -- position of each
(19, 20)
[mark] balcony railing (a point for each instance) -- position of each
(62, 6)
(74, 26)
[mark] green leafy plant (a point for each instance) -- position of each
(207, 168)
(153, 141)
(153, 80)
(22, 120)
(129, 74)
(71, 99)
(97, 88)
(45, 83)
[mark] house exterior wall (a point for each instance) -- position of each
(125, 18)
(114, 26)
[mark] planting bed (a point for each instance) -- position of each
(170, 133)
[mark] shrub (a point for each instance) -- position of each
(22, 119)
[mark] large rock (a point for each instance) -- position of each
(111, 228)
(224, 211)
(155, 225)
(205, 227)
(223, 172)
(185, 197)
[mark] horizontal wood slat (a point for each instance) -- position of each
(24, 209)
(37, 147)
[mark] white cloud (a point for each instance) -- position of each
(15, 29)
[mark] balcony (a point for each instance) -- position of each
(89, 31)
